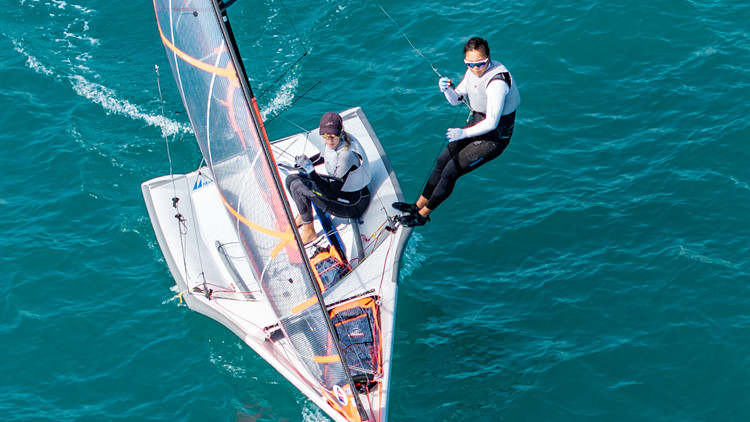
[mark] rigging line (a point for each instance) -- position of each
(195, 230)
(304, 47)
(179, 296)
(241, 317)
(407, 38)
(161, 102)
(170, 81)
(175, 199)
(462, 98)
(282, 151)
(290, 105)
(295, 124)
(440, 151)
(273, 84)
(182, 138)
(382, 274)
(175, 202)
(166, 139)
(329, 102)
(307, 138)
(382, 206)
(277, 149)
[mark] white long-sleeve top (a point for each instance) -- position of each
(493, 99)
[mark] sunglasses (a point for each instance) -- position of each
(477, 64)
(329, 136)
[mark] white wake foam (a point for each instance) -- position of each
(77, 61)
(413, 258)
(82, 9)
(31, 61)
(68, 32)
(107, 98)
(282, 99)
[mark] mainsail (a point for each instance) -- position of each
(230, 132)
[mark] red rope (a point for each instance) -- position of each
(382, 276)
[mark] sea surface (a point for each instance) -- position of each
(599, 270)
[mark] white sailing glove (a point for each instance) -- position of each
(455, 134)
(444, 84)
(304, 163)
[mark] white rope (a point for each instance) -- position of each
(175, 202)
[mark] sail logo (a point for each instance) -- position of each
(340, 395)
(200, 182)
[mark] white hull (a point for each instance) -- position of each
(205, 242)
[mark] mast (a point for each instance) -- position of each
(221, 10)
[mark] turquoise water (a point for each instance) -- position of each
(597, 271)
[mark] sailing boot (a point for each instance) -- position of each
(412, 220)
(404, 207)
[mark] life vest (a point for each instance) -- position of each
(476, 88)
(358, 178)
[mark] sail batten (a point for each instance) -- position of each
(229, 130)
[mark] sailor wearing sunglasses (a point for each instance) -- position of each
(493, 97)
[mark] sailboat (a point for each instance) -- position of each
(322, 314)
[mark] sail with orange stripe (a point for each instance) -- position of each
(228, 127)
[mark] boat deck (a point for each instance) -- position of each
(201, 246)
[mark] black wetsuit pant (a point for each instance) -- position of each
(304, 191)
(466, 155)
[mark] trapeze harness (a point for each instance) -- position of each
(483, 144)
(343, 194)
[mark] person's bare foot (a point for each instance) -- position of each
(308, 233)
